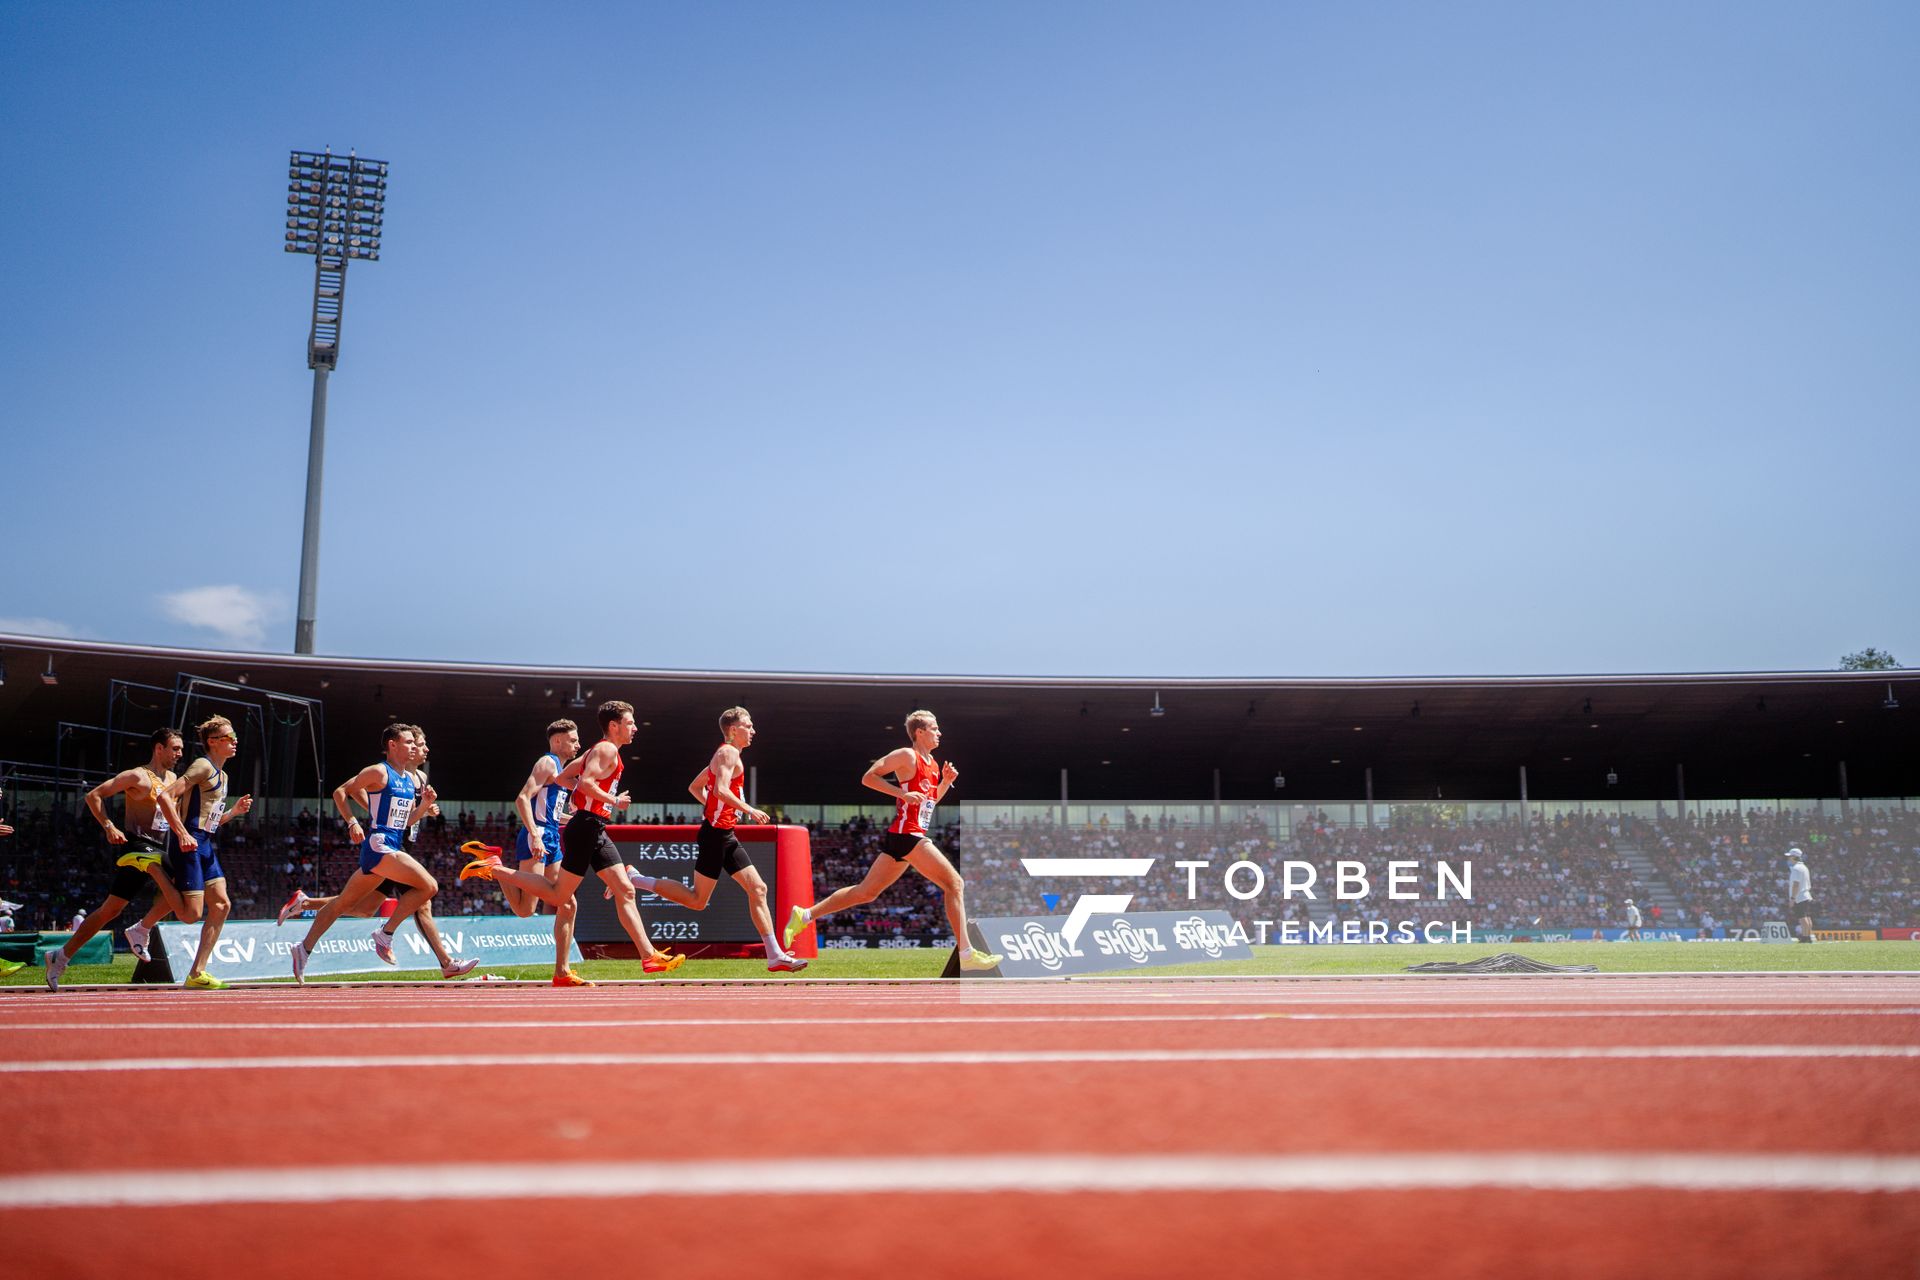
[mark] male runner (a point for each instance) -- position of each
(920, 784)
(371, 901)
(542, 806)
(717, 789)
(150, 816)
(1633, 923)
(197, 872)
(585, 846)
(393, 796)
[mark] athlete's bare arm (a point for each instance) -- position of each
(604, 754)
(187, 781)
(698, 787)
(238, 808)
(726, 767)
(164, 799)
(899, 763)
(948, 776)
(543, 773)
(370, 779)
(97, 798)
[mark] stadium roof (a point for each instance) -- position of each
(1750, 734)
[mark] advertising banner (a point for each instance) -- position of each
(1847, 935)
(1037, 947)
(1903, 934)
(252, 949)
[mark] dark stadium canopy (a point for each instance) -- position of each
(1757, 734)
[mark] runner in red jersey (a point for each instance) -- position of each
(585, 846)
(718, 791)
(917, 783)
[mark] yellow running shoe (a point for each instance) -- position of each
(204, 982)
(979, 961)
(8, 967)
(796, 924)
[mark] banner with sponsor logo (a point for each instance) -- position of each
(1847, 935)
(1902, 934)
(1037, 946)
(253, 949)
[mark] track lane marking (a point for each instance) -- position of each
(975, 1175)
(979, 1057)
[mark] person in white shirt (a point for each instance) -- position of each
(1800, 896)
(1633, 922)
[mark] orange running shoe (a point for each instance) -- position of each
(480, 868)
(661, 962)
(475, 849)
(568, 978)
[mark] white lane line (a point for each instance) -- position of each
(591, 1023)
(965, 1175)
(559, 1024)
(959, 1058)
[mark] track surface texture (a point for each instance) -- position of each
(1739, 1125)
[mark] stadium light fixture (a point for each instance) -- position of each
(1279, 780)
(1892, 703)
(336, 211)
(1156, 709)
(48, 677)
(1613, 778)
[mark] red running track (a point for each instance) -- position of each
(1740, 1125)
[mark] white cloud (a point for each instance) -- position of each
(235, 614)
(38, 627)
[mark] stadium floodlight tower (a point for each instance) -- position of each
(335, 208)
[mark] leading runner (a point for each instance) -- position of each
(917, 784)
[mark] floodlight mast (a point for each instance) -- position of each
(336, 206)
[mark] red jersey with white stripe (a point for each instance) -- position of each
(583, 803)
(913, 813)
(719, 814)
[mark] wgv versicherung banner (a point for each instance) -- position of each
(253, 949)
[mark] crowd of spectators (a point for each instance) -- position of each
(1865, 864)
(1569, 872)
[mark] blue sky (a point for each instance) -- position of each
(1102, 338)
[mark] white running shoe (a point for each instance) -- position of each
(786, 964)
(56, 965)
(138, 936)
(296, 904)
(459, 968)
(383, 944)
(299, 957)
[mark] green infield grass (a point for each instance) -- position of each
(1276, 961)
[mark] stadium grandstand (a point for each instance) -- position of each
(1572, 793)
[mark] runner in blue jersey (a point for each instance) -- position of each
(200, 794)
(392, 796)
(373, 899)
(543, 809)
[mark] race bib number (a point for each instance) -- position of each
(210, 820)
(400, 813)
(160, 824)
(926, 813)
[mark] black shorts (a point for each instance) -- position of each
(1800, 909)
(586, 847)
(130, 882)
(719, 851)
(393, 888)
(899, 846)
